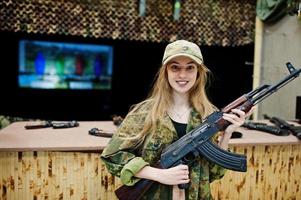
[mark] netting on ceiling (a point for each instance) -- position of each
(206, 22)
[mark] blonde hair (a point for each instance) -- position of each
(160, 98)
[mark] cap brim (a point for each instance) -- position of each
(194, 58)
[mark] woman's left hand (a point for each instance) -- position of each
(236, 118)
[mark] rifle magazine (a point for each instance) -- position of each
(226, 159)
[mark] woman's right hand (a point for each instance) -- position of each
(174, 176)
(171, 176)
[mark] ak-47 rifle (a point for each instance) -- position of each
(197, 142)
(55, 125)
(282, 124)
(266, 128)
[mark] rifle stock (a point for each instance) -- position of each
(134, 192)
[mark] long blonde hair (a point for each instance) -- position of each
(160, 98)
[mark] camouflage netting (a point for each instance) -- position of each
(206, 22)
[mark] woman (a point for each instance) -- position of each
(177, 104)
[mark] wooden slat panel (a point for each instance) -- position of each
(50, 175)
(273, 173)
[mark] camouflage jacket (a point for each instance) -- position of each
(124, 159)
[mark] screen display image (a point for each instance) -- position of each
(59, 65)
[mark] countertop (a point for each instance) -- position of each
(16, 138)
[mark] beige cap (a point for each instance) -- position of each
(182, 48)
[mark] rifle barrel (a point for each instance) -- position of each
(294, 74)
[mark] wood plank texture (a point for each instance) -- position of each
(273, 173)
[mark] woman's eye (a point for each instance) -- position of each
(174, 67)
(177, 68)
(191, 68)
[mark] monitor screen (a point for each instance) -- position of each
(61, 65)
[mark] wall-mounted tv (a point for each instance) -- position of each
(62, 65)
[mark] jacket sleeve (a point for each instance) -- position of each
(216, 171)
(120, 157)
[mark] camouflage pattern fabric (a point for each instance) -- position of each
(210, 22)
(124, 158)
(7, 120)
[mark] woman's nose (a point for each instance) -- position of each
(182, 73)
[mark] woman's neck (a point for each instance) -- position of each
(180, 100)
(179, 111)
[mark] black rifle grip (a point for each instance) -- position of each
(185, 185)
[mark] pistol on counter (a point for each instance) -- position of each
(100, 132)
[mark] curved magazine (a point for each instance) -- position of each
(222, 157)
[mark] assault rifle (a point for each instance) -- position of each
(55, 125)
(282, 124)
(197, 142)
(266, 128)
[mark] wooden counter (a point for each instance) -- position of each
(54, 163)
(16, 138)
(64, 164)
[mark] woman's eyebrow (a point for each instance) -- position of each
(191, 62)
(175, 62)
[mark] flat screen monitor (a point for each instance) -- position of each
(62, 65)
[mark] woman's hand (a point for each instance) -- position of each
(237, 118)
(172, 176)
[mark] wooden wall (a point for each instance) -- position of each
(273, 173)
(54, 175)
(275, 45)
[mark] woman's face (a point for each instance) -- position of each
(182, 73)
